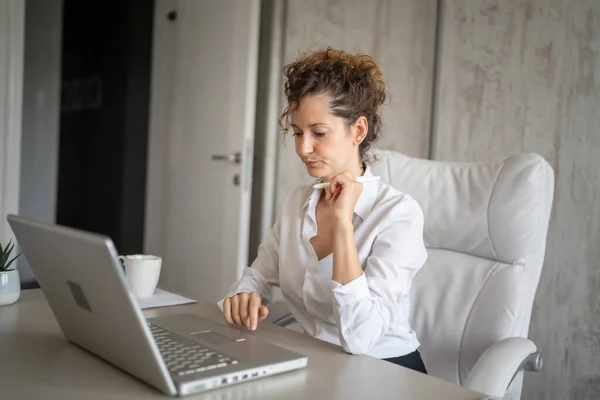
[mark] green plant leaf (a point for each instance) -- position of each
(5, 254)
(5, 249)
(11, 261)
(8, 250)
(2, 257)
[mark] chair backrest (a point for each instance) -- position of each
(485, 230)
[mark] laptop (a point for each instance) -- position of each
(183, 354)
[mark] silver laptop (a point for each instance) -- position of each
(183, 354)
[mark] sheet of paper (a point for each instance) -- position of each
(162, 298)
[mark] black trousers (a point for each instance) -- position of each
(412, 360)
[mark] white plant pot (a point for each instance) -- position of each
(10, 287)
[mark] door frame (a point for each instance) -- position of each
(160, 96)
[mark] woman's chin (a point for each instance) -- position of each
(316, 172)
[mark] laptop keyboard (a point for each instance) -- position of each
(185, 357)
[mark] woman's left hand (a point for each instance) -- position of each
(344, 192)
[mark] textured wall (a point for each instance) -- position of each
(400, 35)
(525, 76)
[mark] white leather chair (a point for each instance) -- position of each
(485, 230)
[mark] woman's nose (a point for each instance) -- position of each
(305, 146)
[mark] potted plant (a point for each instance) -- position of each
(10, 284)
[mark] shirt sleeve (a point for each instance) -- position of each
(364, 307)
(264, 271)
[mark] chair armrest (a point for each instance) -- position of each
(500, 363)
(279, 314)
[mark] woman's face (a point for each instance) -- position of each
(323, 141)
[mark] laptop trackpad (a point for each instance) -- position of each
(212, 337)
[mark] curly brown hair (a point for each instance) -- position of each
(353, 81)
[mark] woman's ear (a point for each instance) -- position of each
(361, 128)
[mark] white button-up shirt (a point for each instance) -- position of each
(367, 315)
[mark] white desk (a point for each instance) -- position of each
(36, 361)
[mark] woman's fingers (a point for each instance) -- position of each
(338, 181)
(262, 313)
(328, 194)
(333, 189)
(227, 311)
(244, 309)
(244, 305)
(235, 310)
(254, 305)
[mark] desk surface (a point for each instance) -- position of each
(36, 361)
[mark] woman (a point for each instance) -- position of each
(344, 256)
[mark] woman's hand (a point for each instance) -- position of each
(344, 192)
(244, 309)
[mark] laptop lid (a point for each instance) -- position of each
(85, 286)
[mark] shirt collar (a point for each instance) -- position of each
(364, 204)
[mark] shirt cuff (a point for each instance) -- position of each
(351, 292)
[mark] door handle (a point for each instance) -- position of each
(234, 158)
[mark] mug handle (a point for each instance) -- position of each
(122, 262)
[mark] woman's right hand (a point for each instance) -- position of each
(244, 309)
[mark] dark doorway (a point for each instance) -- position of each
(105, 101)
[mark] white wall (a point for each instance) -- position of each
(12, 15)
(41, 113)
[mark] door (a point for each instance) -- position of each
(103, 133)
(201, 142)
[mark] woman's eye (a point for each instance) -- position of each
(319, 134)
(296, 134)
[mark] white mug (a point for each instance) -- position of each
(142, 273)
